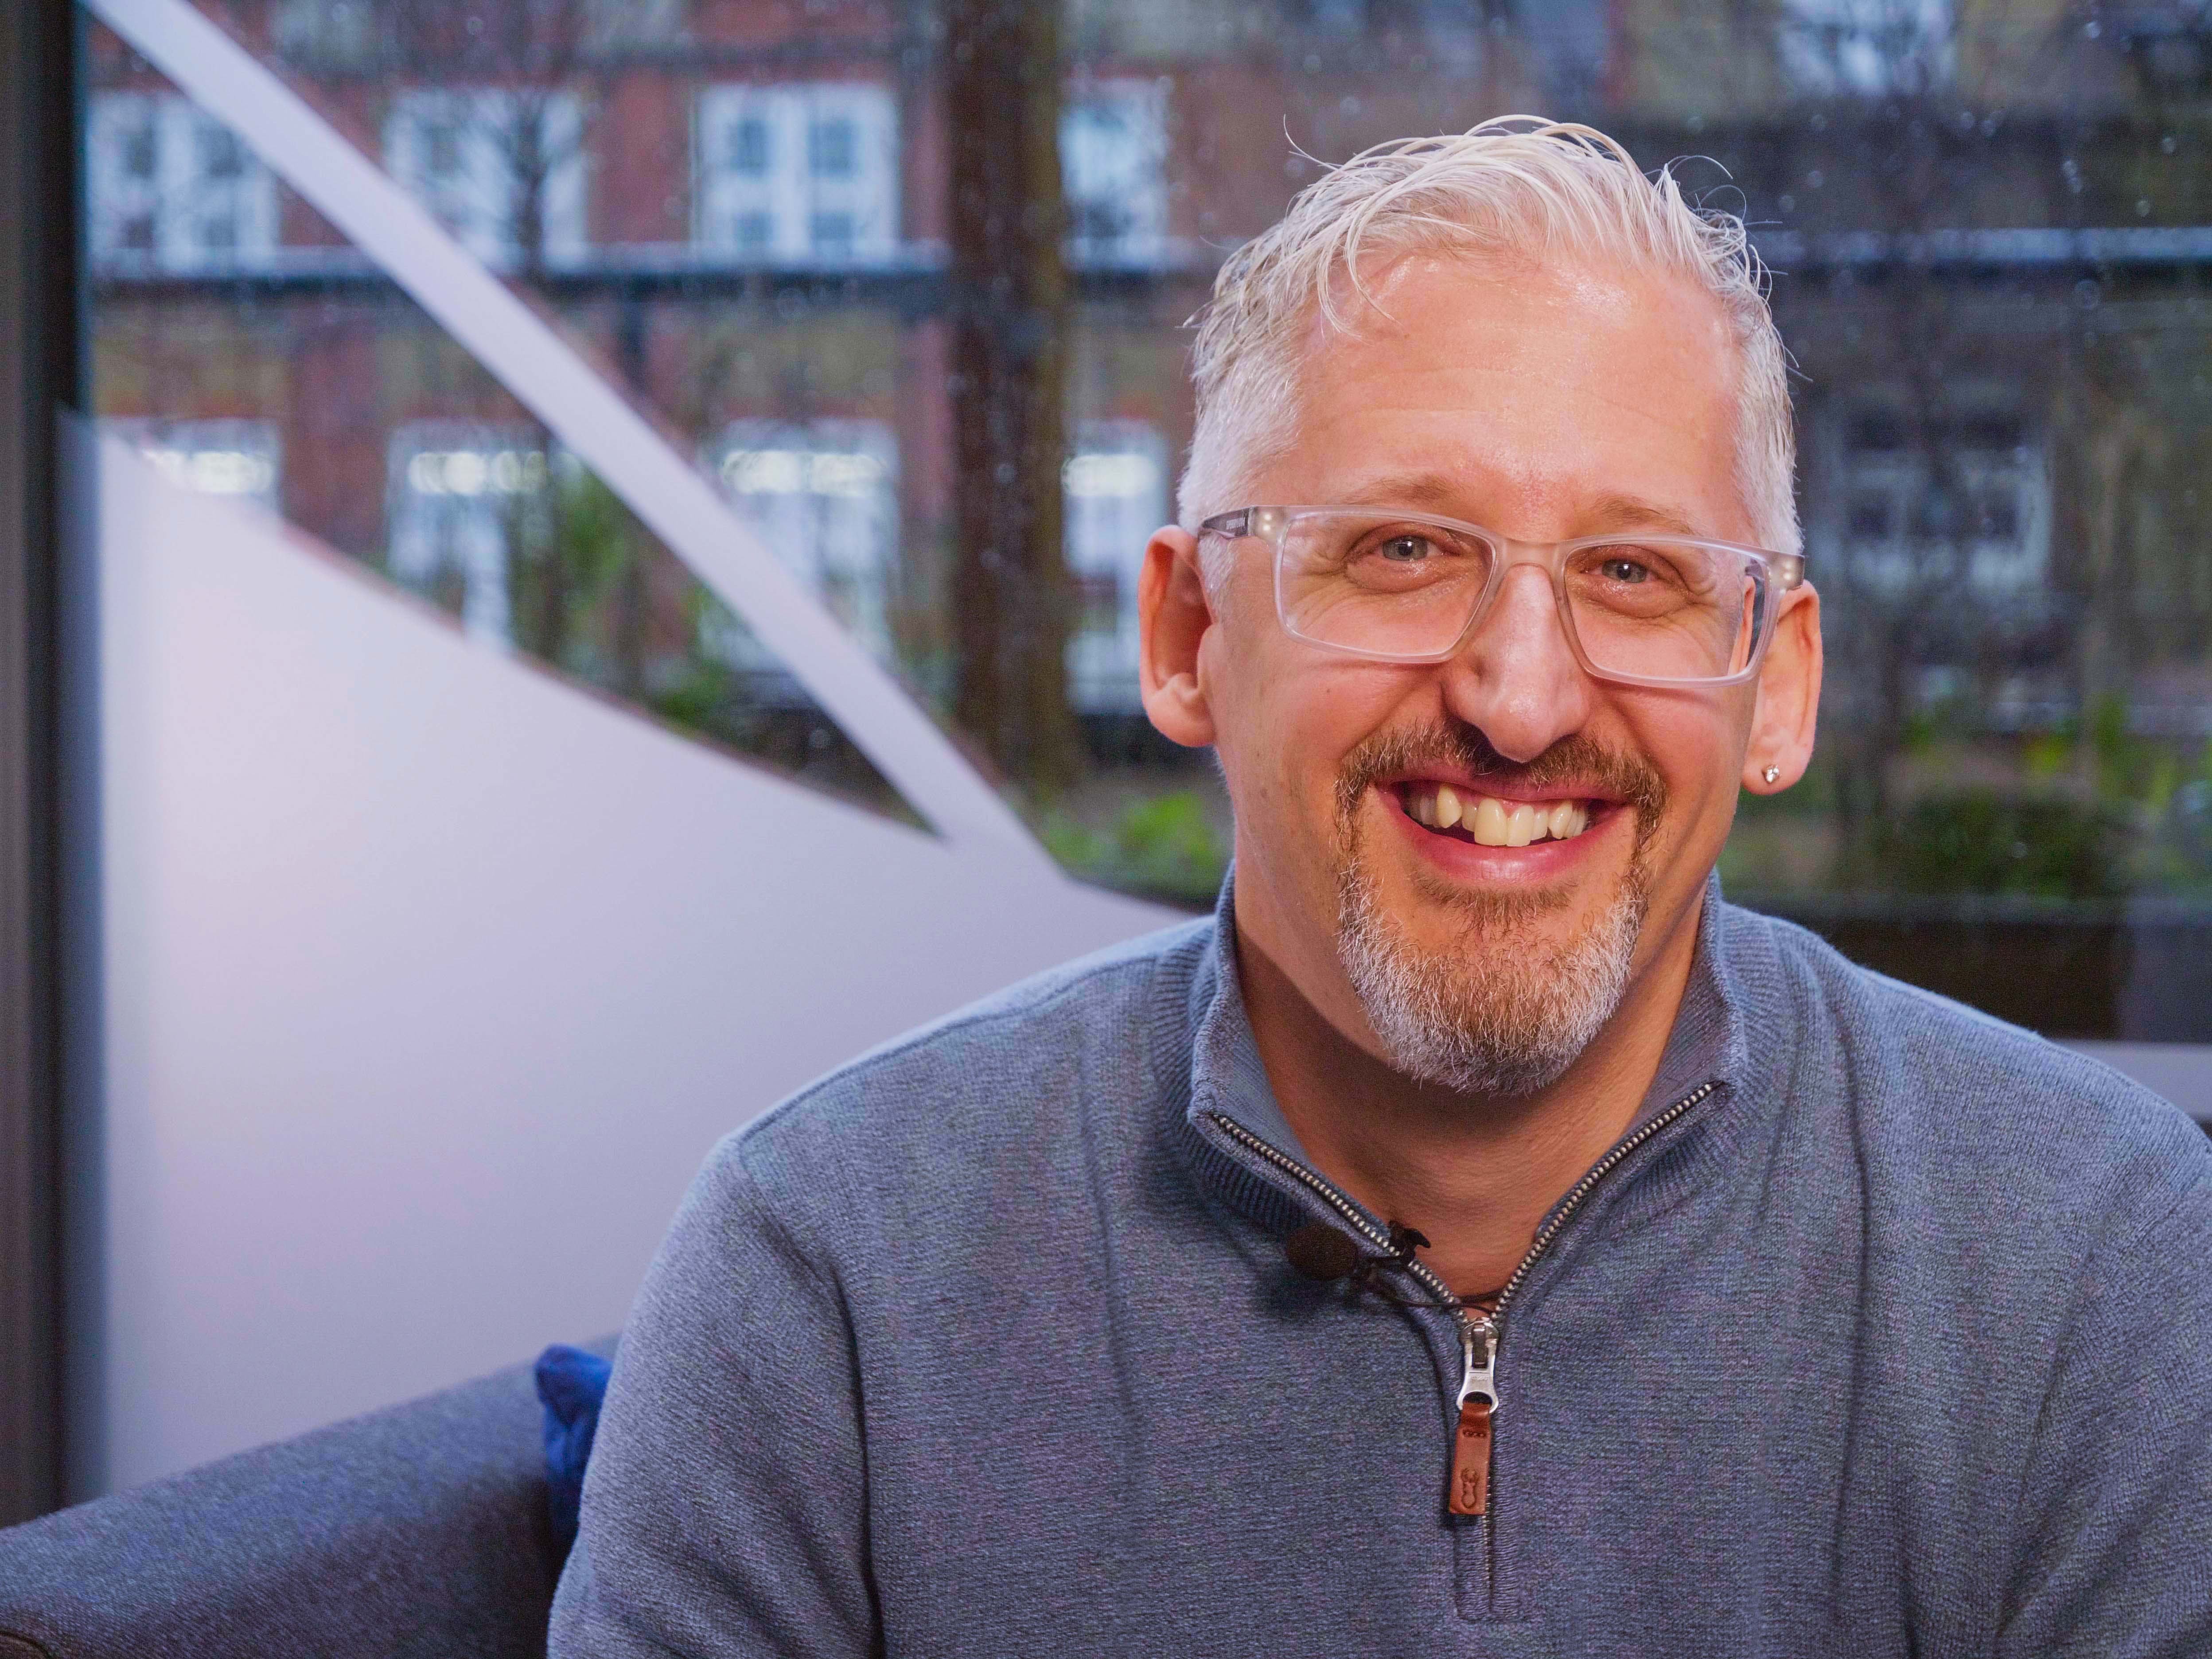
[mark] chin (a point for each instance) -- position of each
(1490, 987)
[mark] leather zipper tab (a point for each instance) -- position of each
(1478, 1398)
(1470, 1474)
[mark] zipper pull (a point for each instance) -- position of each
(1478, 1400)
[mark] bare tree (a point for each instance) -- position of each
(524, 74)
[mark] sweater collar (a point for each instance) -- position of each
(1205, 1019)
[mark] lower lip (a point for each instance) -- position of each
(1539, 861)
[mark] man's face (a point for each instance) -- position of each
(1544, 403)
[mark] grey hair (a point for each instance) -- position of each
(1518, 183)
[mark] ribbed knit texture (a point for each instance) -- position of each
(1899, 1342)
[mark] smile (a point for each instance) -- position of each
(1487, 821)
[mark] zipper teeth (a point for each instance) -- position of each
(1343, 1205)
(1420, 1271)
(1583, 1189)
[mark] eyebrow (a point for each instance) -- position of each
(1439, 494)
(1634, 512)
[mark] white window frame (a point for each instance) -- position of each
(238, 459)
(450, 488)
(1999, 570)
(1113, 161)
(1113, 495)
(1865, 47)
(472, 188)
(824, 496)
(179, 199)
(779, 215)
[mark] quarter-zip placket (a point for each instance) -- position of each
(1473, 1427)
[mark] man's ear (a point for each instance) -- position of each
(1789, 703)
(1172, 616)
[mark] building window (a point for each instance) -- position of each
(171, 187)
(1113, 160)
(798, 175)
(831, 147)
(240, 459)
(456, 494)
(614, 27)
(748, 147)
(497, 167)
(823, 494)
(326, 34)
(1964, 508)
(1115, 488)
(1867, 48)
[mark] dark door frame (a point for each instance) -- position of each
(42, 370)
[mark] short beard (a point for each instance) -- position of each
(1493, 1014)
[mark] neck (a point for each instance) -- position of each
(1476, 1175)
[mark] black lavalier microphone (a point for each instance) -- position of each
(1321, 1251)
(1326, 1253)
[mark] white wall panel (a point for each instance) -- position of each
(429, 980)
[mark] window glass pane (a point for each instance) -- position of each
(1991, 228)
(290, 374)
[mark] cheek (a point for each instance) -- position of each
(1285, 720)
(1697, 745)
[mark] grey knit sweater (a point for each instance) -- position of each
(1897, 1338)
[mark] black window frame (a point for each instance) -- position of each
(42, 366)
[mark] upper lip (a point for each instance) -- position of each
(1466, 785)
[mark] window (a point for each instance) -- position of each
(1116, 494)
(832, 146)
(240, 459)
(1991, 228)
(1987, 226)
(1867, 47)
(797, 175)
(1113, 158)
(503, 170)
(326, 34)
(1964, 506)
(172, 190)
(617, 26)
(824, 495)
(459, 496)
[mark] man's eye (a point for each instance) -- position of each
(1407, 549)
(1624, 570)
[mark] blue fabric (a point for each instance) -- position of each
(415, 1533)
(571, 1384)
(1895, 1339)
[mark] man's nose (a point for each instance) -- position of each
(1517, 678)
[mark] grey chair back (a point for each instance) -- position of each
(418, 1530)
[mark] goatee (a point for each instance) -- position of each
(1495, 1012)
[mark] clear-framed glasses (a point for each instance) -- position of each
(1399, 586)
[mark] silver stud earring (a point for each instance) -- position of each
(1772, 773)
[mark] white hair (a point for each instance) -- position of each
(1516, 184)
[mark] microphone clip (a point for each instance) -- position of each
(1325, 1255)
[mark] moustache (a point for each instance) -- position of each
(1575, 764)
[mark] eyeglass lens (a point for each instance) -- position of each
(1655, 607)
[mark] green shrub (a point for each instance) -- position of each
(1982, 842)
(1166, 846)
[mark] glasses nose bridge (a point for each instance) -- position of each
(1541, 556)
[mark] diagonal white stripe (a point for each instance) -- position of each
(534, 363)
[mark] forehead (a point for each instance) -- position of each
(1495, 386)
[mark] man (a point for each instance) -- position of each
(1478, 1237)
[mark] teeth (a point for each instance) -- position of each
(1493, 823)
